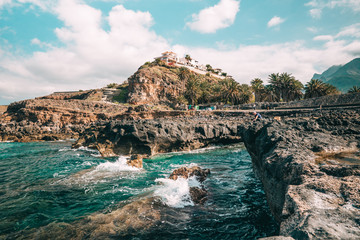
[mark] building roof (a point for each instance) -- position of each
(168, 52)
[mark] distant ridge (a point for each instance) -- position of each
(342, 77)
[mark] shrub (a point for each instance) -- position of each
(122, 97)
(111, 85)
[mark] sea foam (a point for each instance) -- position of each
(176, 193)
(119, 166)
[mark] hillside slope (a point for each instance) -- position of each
(344, 77)
(154, 84)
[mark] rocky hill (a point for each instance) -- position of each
(342, 77)
(157, 84)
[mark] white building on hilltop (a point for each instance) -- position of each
(172, 59)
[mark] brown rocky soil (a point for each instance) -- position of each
(3, 109)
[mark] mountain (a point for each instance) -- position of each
(342, 77)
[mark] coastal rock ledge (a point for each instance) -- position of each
(149, 137)
(310, 170)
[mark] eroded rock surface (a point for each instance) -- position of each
(310, 199)
(149, 137)
(186, 172)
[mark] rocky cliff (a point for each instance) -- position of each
(149, 137)
(310, 169)
(52, 119)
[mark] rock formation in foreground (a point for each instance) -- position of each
(312, 189)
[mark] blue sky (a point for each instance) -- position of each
(58, 45)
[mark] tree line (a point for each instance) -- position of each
(281, 87)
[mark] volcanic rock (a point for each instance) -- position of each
(185, 172)
(148, 137)
(136, 161)
(310, 199)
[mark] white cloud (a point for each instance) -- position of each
(90, 58)
(275, 21)
(313, 29)
(350, 31)
(323, 38)
(317, 6)
(248, 62)
(211, 19)
(42, 4)
(4, 2)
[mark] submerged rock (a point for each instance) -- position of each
(136, 161)
(197, 194)
(185, 172)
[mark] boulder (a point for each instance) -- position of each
(198, 194)
(136, 160)
(185, 172)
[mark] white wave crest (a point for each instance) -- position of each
(176, 193)
(119, 166)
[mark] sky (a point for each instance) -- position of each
(64, 45)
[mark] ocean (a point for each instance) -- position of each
(50, 191)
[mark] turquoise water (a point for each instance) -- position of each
(48, 184)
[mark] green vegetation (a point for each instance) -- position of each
(124, 91)
(112, 85)
(284, 88)
(317, 88)
(354, 89)
(203, 89)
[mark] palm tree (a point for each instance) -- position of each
(269, 94)
(230, 90)
(192, 92)
(285, 86)
(206, 94)
(317, 88)
(245, 94)
(277, 85)
(354, 89)
(188, 58)
(258, 87)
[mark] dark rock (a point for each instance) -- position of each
(198, 195)
(148, 137)
(310, 199)
(185, 172)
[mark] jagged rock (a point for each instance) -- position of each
(311, 199)
(198, 194)
(185, 172)
(136, 161)
(149, 137)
